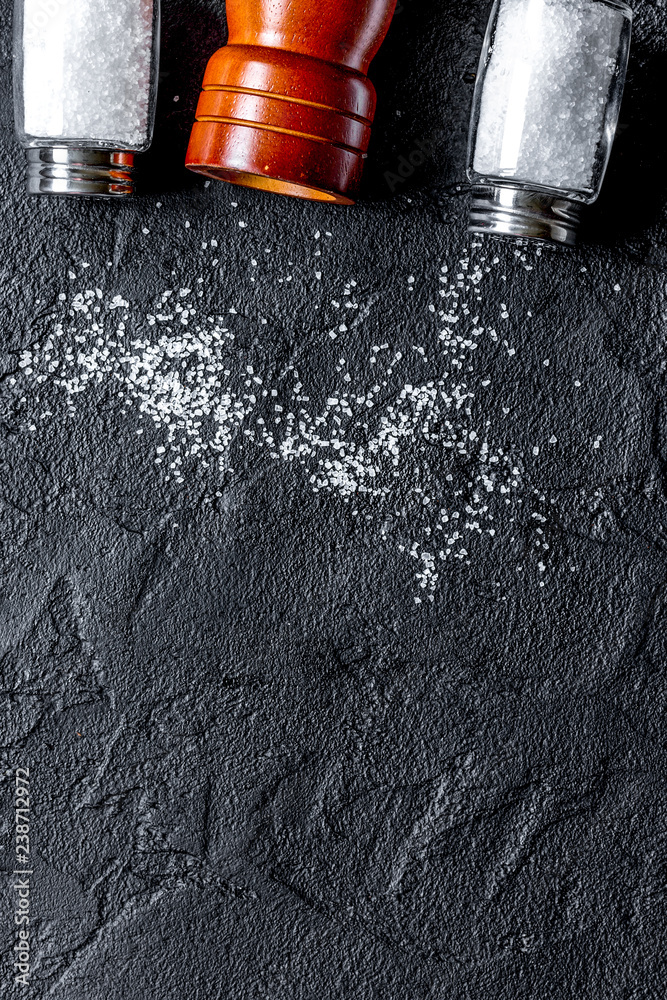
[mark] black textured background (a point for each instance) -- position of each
(260, 769)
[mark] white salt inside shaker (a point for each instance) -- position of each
(545, 111)
(85, 90)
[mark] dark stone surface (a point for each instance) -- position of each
(258, 768)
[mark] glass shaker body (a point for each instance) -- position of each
(545, 110)
(85, 88)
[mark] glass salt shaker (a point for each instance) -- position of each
(545, 109)
(85, 87)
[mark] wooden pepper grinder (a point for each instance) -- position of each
(286, 105)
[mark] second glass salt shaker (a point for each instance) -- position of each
(545, 111)
(85, 85)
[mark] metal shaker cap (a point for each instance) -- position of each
(72, 170)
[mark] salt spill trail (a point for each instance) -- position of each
(401, 438)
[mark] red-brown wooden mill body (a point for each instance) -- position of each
(286, 105)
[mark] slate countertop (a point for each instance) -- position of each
(333, 616)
